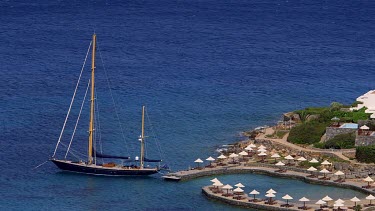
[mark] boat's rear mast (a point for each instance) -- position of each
(143, 138)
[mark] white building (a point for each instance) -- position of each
(368, 101)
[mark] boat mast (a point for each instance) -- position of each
(91, 129)
(143, 138)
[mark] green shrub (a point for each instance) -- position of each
(307, 133)
(342, 141)
(319, 145)
(365, 154)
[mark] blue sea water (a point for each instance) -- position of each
(206, 70)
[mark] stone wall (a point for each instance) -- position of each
(364, 140)
(334, 131)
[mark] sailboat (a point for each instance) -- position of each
(91, 166)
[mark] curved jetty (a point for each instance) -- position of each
(267, 169)
(276, 205)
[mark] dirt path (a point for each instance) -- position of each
(284, 142)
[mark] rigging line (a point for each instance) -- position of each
(40, 165)
(99, 130)
(79, 115)
(71, 102)
(154, 135)
(70, 151)
(113, 101)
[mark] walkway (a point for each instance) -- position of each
(284, 142)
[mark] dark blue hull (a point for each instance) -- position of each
(98, 170)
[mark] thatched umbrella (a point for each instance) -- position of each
(327, 199)
(368, 180)
(287, 198)
(370, 197)
(210, 159)
(355, 200)
(324, 171)
(276, 155)
(304, 200)
(227, 187)
(339, 174)
(320, 202)
(301, 159)
(313, 161)
(239, 185)
(312, 169)
(271, 191)
(233, 155)
(289, 158)
(280, 164)
(270, 196)
(198, 161)
(254, 192)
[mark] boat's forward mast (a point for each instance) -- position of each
(92, 106)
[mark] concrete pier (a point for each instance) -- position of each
(257, 168)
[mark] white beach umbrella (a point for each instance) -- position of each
(368, 179)
(222, 157)
(276, 155)
(271, 191)
(243, 153)
(313, 161)
(304, 200)
(280, 164)
(270, 195)
(210, 159)
(364, 127)
(355, 200)
(320, 202)
(254, 192)
(289, 157)
(340, 201)
(326, 162)
(238, 190)
(248, 148)
(262, 147)
(198, 161)
(339, 173)
(252, 145)
(262, 154)
(215, 180)
(324, 171)
(370, 197)
(301, 159)
(287, 198)
(262, 150)
(312, 169)
(327, 198)
(233, 155)
(227, 187)
(239, 185)
(218, 184)
(338, 204)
